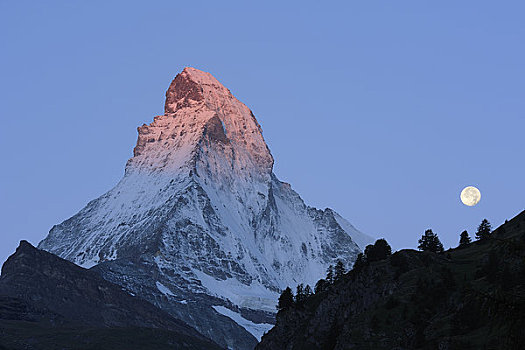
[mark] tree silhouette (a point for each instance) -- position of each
(330, 274)
(464, 239)
(484, 230)
(321, 285)
(430, 242)
(286, 299)
(300, 295)
(360, 261)
(378, 251)
(382, 248)
(307, 291)
(339, 270)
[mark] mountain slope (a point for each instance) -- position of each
(199, 222)
(49, 303)
(466, 298)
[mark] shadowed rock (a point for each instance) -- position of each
(37, 286)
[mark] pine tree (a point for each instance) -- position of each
(339, 270)
(430, 242)
(382, 248)
(378, 251)
(321, 286)
(286, 299)
(299, 294)
(464, 239)
(484, 230)
(359, 262)
(330, 274)
(307, 291)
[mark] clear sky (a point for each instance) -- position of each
(382, 110)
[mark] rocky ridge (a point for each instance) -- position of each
(46, 301)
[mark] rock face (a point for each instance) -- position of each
(43, 296)
(199, 225)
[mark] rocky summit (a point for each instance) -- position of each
(199, 225)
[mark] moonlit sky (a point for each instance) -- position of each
(382, 110)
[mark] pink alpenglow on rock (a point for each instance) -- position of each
(199, 109)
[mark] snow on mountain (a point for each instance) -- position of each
(200, 217)
(257, 329)
(163, 289)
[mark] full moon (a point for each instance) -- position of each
(470, 196)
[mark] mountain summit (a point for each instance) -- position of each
(201, 112)
(199, 225)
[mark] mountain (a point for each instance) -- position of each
(49, 303)
(199, 225)
(471, 297)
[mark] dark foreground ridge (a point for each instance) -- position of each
(464, 298)
(49, 303)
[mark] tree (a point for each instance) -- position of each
(378, 251)
(339, 270)
(359, 262)
(464, 239)
(321, 286)
(484, 230)
(382, 248)
(300, 296)
(330, 274)
(430, 242)
(368, 252)
(286, 299)
(307, 291)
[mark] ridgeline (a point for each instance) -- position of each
(472, 297)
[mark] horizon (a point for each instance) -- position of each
(384, 137)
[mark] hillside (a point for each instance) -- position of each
(465, 298)
(49, 303)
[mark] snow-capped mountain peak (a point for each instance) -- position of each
(200, 223)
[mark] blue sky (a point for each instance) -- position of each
(381, 110)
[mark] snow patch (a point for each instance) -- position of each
(163, 289)
(255, 296)
(256, 329)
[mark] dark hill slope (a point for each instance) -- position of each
(49, 303)
(467, 298)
